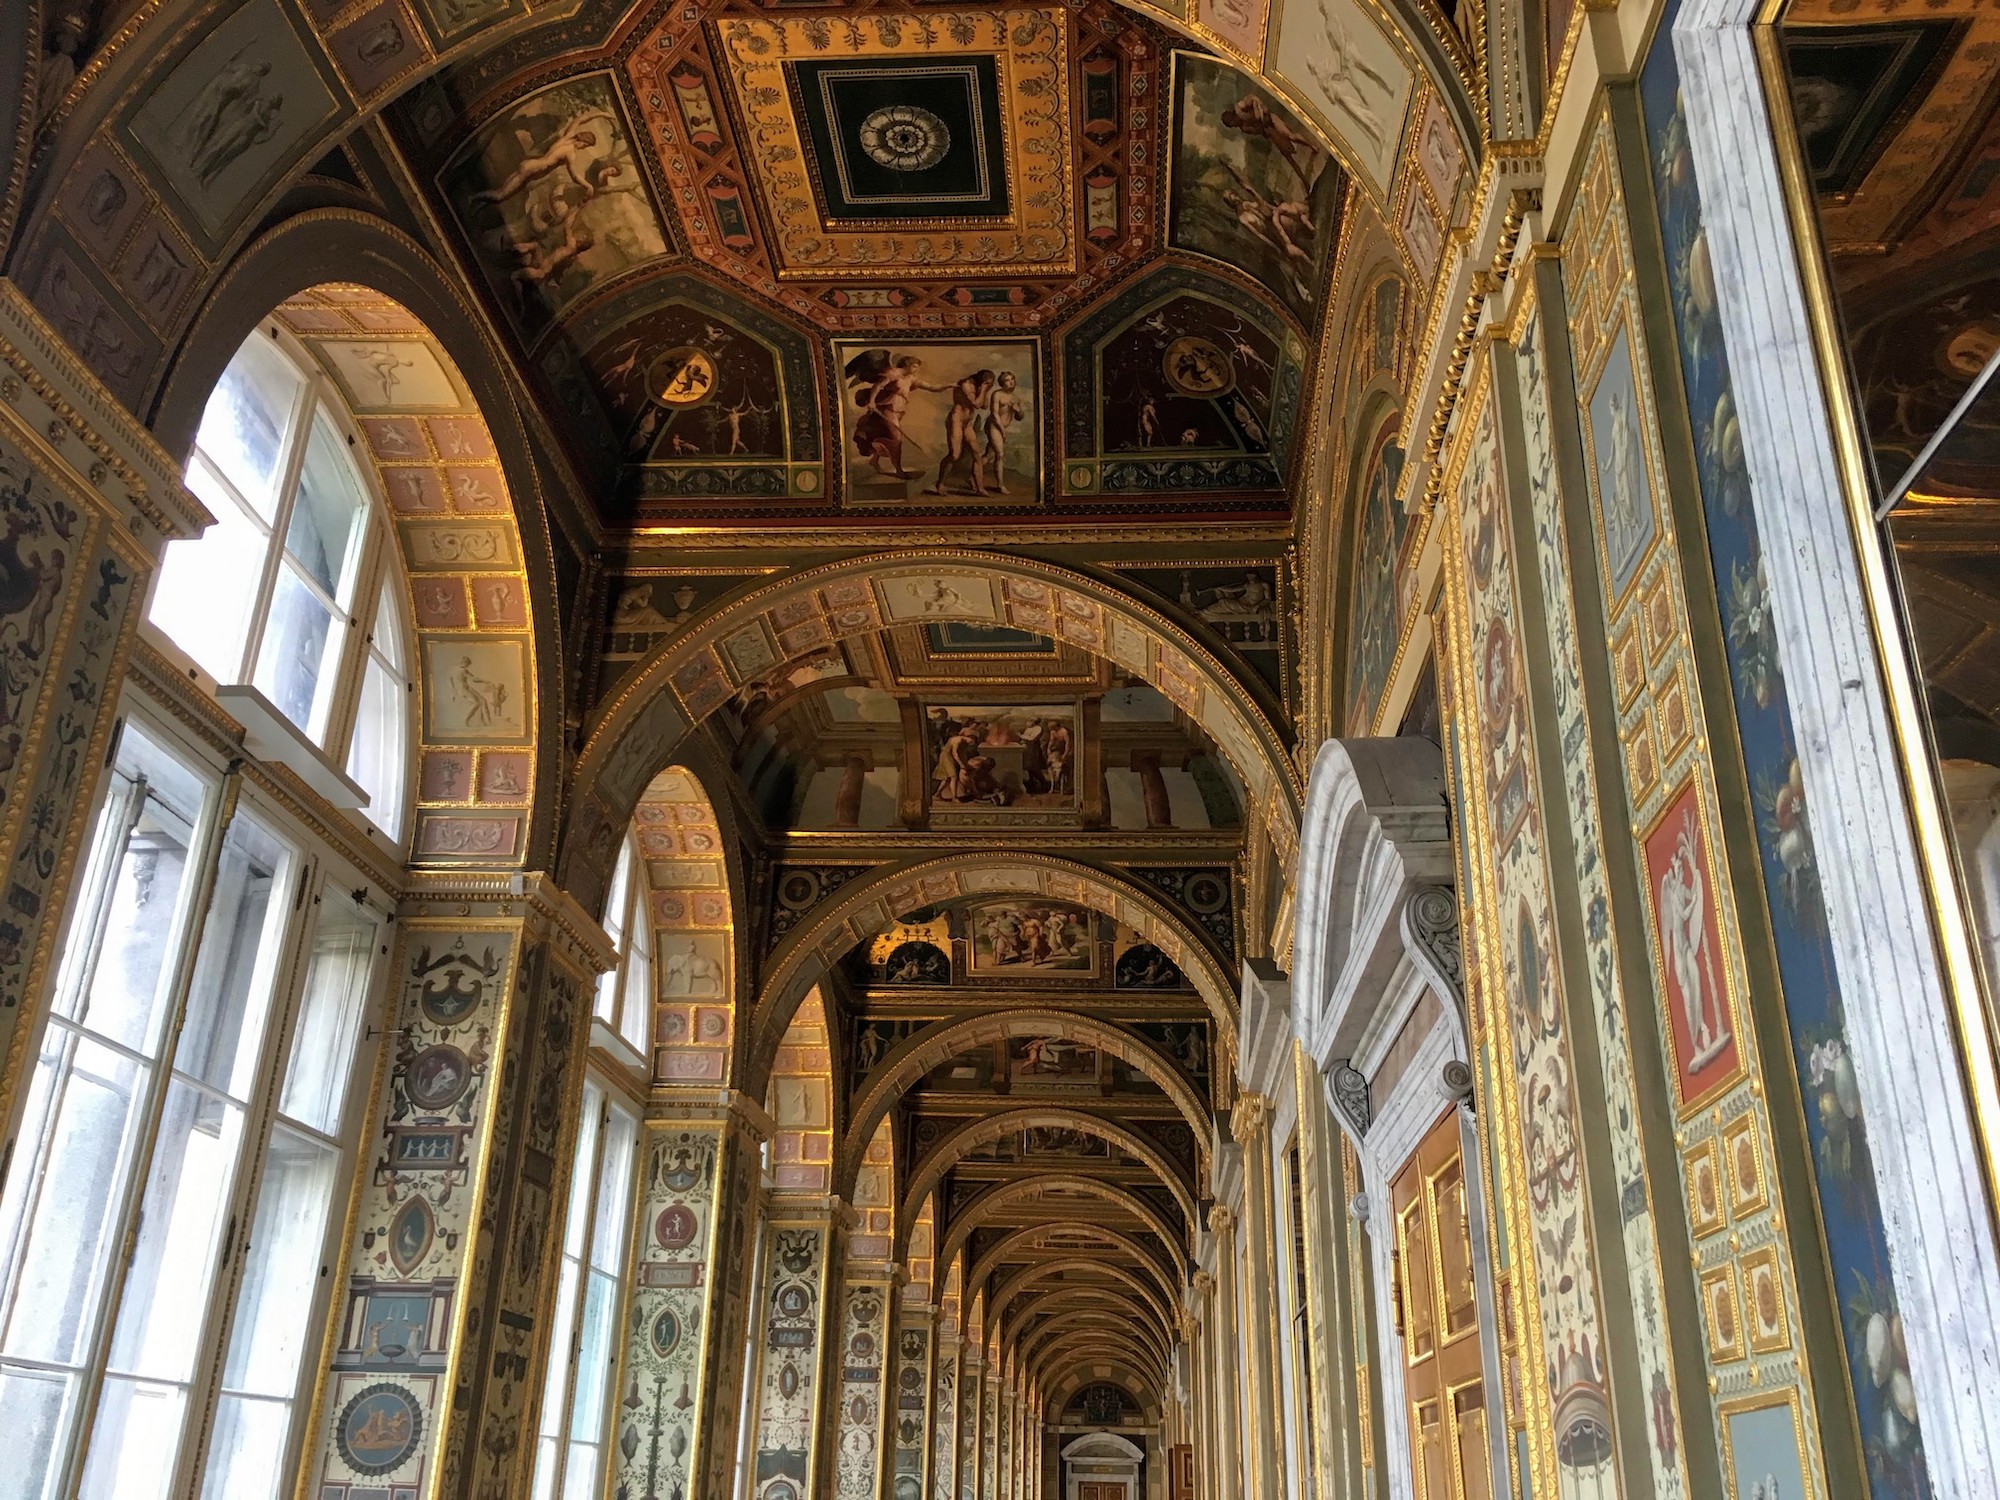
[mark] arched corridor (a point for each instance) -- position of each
(927, 750)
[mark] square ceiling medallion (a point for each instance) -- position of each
(890, 143)
(900, 140)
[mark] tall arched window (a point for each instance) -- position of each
(201, 1069)
(296, 591)
(625, 991)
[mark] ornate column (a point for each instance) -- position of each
(853, 779)
(1003, 1458)
(1250, 1122)
(944, 1425)
(909, 1477)
(678, 1412)
(801, 1255)
(861, 1405)
(461, 1210)
(95, 501)
(1228, 1351)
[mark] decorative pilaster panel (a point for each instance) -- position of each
(1529, 1118)
(944, 1427)
(1748, 1285)
(910, 1477)
(455, 1215)
(1589, 920)
(1003, 1457)
(989, 1436)
(681, 1369)
(864, 1352)
(971, 1406)
(798, 1256)
(88, 502)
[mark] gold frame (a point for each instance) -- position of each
(1737, 1134)
(1765, 1261)
(1721, 1282)
(1785, 1396)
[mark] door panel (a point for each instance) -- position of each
(1438, 1313)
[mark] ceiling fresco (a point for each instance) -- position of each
(904, 261)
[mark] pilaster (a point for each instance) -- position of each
(682, 1363)
(861, 1402)
(916, 1330)
(1250, 1123)
(803, 1241)
(460, 1210)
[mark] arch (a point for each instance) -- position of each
(911, 1059)
(1086, 1341)
(477, 556)
(1007, 1194)
(1016, 1239)
(929, 1172)
(1056, 1315)
(1142, 1386)
(692, 674)
(1015, 1285)
(873, 903)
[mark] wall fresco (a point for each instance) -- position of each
(864, 1355)
(657, 1439)
(1653, 1347)
(1514, 887)
(1849, 1210)
(787, 1392)
(382, 1411)
(911, 1417)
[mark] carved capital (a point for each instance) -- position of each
(1348, 1086)
(1204, 1283)
(1251, 1114)
(1221, 1219)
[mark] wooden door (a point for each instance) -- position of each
(1091, 1489)
(1438, 1312)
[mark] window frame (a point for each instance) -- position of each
(378, 575)
(314, 867)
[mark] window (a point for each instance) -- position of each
(186, 1141)
(625, 991)
(577, 1395)
(295, 590)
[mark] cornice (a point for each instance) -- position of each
(125, 466)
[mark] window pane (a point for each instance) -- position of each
(582, 1481)
(331, 1011)
(323, 536)
(247, 1452)
(377, 756)
(300, 648)
(615, 903)
(388, 637)
(180, 1231)
(635, 1015)
(33, 1401)
(114, 978)
(287, 1239)
(67, 1199)
(134, 1442)
(229, 999)
(243, 426)
(614, 1193)
(208, 585)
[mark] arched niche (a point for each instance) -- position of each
(799, 1099)
(873, 1198)
(693, 875)
(692, 674)
(911, 1059)
(464, 500)
(875, 902)
(1377, 1000)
